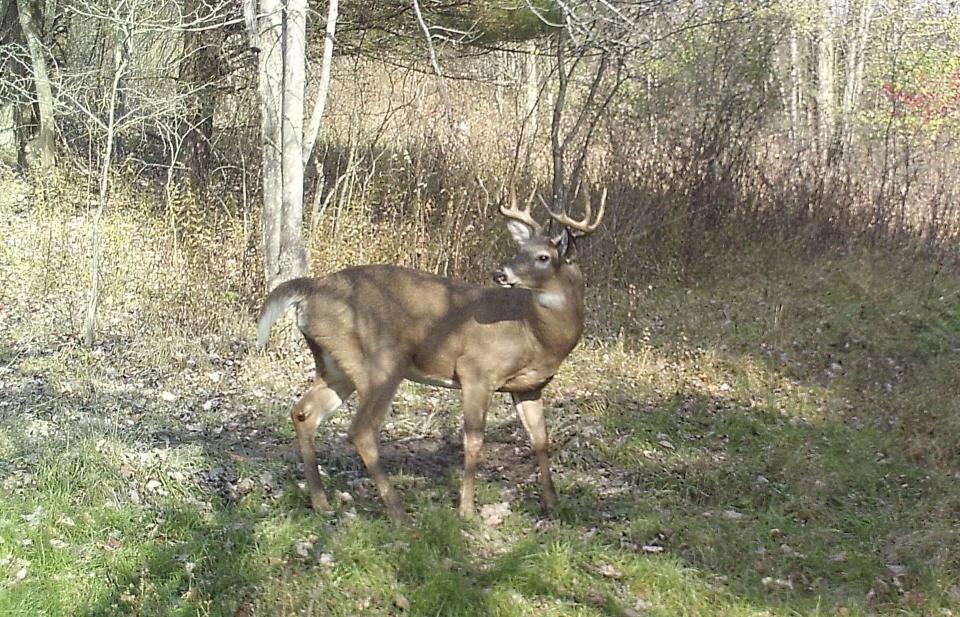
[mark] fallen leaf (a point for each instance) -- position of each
(607, 570)
(67, 521)
(303, 548)
(494, 514)
(664, 441)
(111, 544)
(776, 583)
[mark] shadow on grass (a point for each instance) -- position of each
(120, 508)
(194, 563)
(739, 494)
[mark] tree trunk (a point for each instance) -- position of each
(11, 147)
(435, 63)
(96, 249)
(559, 201)
(856, 60)
(197, 71)
(46, 140)
(278, 34)
(323, 89)
(293, 256)
(530, 120)
(826, 99)
(796, 88)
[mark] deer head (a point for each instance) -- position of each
(540, 257)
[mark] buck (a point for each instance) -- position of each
(371, 327)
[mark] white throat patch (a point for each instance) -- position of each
(553, 301)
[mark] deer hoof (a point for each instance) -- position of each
(399, 517)
(550, 503)
(320, 504)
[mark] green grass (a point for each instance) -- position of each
(775, 442)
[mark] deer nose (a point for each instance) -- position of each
(500, 276)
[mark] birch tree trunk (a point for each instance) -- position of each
(826, 99)
(323, 89)
(278, 33)
(46, 140)
(796, 89)
(293, 255)
(856, 61)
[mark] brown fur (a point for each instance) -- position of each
(370, 327)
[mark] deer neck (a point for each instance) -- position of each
(557, 313)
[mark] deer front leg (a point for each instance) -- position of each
(313, 407)
(476, 400)
(365, 435)
(530, 409)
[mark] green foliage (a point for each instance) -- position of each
(392, 24)
(506, 20)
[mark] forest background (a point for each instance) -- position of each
(761, 418)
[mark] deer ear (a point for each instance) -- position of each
(520, 232)
(566, 247)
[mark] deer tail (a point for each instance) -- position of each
(284, 295)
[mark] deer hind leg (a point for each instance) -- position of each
(530, 409)
(476, 401)
(319, 402)
(316, 405)
(375, 398)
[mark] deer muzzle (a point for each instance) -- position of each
(503, 277)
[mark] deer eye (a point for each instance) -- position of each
(543, 258)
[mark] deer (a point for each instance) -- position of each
(369, 327)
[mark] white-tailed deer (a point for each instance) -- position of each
(370, 327)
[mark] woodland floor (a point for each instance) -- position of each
(776, 438)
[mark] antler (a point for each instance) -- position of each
(583, 226)
(515, 213)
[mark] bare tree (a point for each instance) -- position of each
(855, 66)
(15, 88)
(96, 249)
(588, 53)
(797, 88)
(323, 88)
(26, 94)
(46, 138)
(277, 30)
(128, 101)
(826, 95)
(199, 72)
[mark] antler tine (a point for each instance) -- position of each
(523, 215)
(583, 226)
